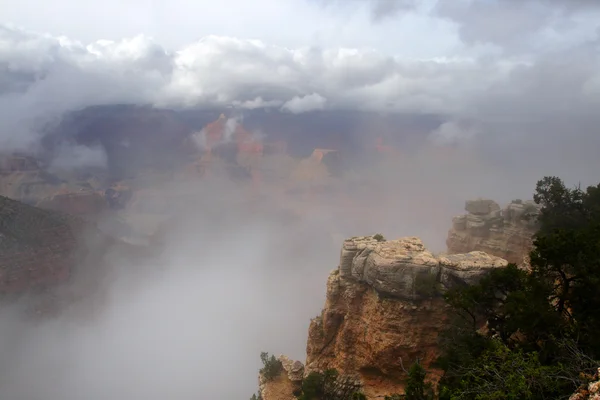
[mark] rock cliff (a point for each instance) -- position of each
(285, 384)
(383, 311)
(41, 250)
(84, 203)
(589, 392)
(505, 233)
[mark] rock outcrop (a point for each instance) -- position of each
(589, 392)
(505, 233)
(285, 384)
(42, 249)
(383, 312)
(84, 203)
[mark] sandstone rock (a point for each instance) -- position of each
(41, 249)
(481, 206)
(377, 321)
(589, 392)
(367, 338)
(10, 163)
(467, 268)
(459, 223)
(82, 203)
(283, 386)
(294, 369)
(505, 233)
(402, 267)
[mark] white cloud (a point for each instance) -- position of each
(306, 103)
(43, 75)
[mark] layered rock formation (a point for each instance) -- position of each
(84, 203)
(505, 233)
(383, 312)
(42, 249)
(284, 385)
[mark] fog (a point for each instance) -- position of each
(236, 275)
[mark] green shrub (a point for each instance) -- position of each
(320, 386)
(426, 285)
(272, 367)
(379, 237)
(416, 388)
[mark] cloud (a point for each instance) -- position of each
(69, 156)
(306, 103)
(379, 9)
(521, 26)
(43, 76)
(452, 132)
(536, 94)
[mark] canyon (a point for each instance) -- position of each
(383, 309)
(54, 258)
(383, 312)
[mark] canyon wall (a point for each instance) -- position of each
(506, 233)
(42, 250)
(383, 312)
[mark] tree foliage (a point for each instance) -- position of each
(272, 367)
(416, 387)
(529, 334)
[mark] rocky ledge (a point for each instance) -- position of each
(383, 311)
(404, 268)
(505, 233)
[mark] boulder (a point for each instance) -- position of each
(481, 206)
(506, 233)
(459, 223)
(467, 269)
(404, 268)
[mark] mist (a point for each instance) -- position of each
(235, 275)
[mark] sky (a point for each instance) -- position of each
(505, 73)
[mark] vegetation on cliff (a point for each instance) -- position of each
(271, 366)
(532, 334)
(519, 332)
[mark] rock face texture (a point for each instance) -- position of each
(37, 247)
(285, 384)
(82, 203)
(383, 312)
(41, 249)
(505, 233)
(589, 392)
